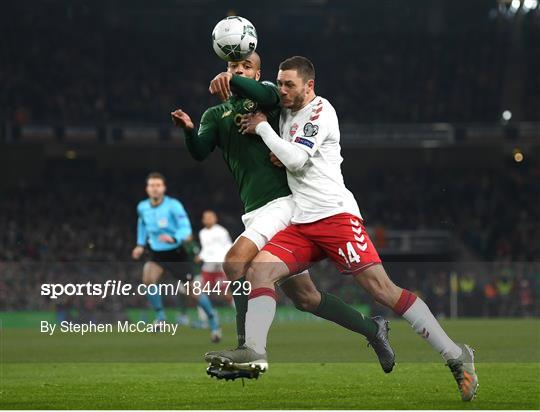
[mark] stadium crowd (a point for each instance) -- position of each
(104, 67)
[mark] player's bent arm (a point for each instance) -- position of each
(293, 157)
(184, 226)
(261, 92)
(200, 143)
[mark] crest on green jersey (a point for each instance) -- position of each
(249, 105)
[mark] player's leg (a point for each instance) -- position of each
(288, 252)
(204, 302)
(342, 238)
(182, 299)
(202, 321)
(300, 289)
(235, 266)
(260, 226)
(182, 316)
(264, 271)
(327, 306)
(207, 313)
(151, 274)
(404, 303)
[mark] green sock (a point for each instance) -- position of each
(334, 309)
(241, 303)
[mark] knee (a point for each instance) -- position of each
(263, 274)
(233, 268)
(150, 273)
(256, 273)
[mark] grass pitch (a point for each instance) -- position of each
(313, 365)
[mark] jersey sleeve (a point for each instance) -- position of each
(264, 93)
(141, 229)
(292, 157)
(183, 230)
(202, 142)
(314, 130)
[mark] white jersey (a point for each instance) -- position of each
(318, 188)
(215, 242)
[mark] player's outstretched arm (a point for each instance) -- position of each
(199, 143)
(264, 93)
(183, 232)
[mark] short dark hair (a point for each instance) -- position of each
(156, 175)
(302, 65)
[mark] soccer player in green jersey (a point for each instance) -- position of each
(264, 192)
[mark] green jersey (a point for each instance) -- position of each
(247, 157)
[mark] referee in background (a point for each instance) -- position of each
(163, 225)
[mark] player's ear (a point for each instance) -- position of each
(258, 75)
(311, 84)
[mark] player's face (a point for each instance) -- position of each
(209, 219)
(293, 89)
(245, 68)
(155, 188)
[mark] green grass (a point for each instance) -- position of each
(313, 365)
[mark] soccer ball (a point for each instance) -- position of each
(234, 38)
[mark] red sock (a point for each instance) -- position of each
(255, 293)
(404, 302)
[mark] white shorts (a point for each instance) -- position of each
(263, 223)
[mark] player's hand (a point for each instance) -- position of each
(137, 252)
(197, 259)
(166, 238)
(220, 86)
(275, 161)
(250, 121)
(182, 119)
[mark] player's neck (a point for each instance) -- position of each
(157, 201)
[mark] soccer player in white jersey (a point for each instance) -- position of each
(215, 243)
(326, 224)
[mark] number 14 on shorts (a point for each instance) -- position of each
(359, 241)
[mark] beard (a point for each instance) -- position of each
(298, 101)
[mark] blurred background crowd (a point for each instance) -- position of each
(116, 61)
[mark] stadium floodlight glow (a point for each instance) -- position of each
(518, 155)
(514, 6)
(506, 115)
(530, 4)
